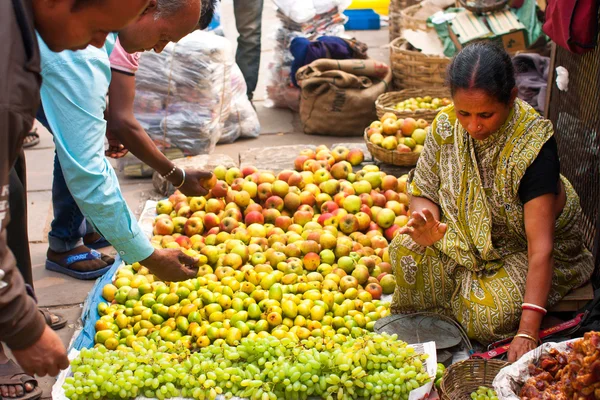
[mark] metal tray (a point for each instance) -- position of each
(414, 328)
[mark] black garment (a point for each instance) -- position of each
(20, 323)
(18, 238)
(543, 175)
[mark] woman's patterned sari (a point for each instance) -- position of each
(477, 272)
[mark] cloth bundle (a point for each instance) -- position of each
(308, 19)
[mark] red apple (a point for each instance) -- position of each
(375, 290)
(308, 198)
(390, 232)
(211, 220)
(264, 191)
(292, 202)
(285, 175)
(193, 226)
(183, 242)
(282, 222)
(220, 189)
(254, 217)
(234, 213)
(253, 207)
(299, 162)
(249, 170)
(164, 226)
(275, 202)
(329, 207)
(348, 224)
(271, 214)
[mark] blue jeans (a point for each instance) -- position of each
(248, 21)
(69, 226)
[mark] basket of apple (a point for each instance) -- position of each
(396, 141)
(410, 103)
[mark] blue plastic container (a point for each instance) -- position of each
(361, 20)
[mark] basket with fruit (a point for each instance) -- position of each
(396, 141)
(410, 103)
(470, 379)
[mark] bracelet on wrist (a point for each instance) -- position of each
(529, 337)
(183, 180)
(170, 172)
(533, 307)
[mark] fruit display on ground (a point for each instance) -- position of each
(295, 263)
(422, 103)
(372, 366)
(403, 135)
(484, 393)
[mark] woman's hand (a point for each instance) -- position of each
(195, 182)
(518, 347)
(423, 228)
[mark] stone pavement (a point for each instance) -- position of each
(279, 128)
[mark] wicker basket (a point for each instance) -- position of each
(463, 378)
(413, 69)
(395, 16)
(483, 6)
(407, 16)
(391, 156)
(386, 101)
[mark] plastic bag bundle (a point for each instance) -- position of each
(310, 19)
(180, 97)
(243, 120)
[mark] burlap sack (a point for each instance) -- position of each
(338, 96)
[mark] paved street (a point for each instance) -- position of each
(279, 128)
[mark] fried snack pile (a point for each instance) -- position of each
(572, 375)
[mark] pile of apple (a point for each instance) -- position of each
(296, 254)
(403, 135)
(422, 103)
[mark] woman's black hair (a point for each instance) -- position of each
(484, 66)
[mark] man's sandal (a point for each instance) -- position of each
(54, 321)
(12, 375)
(72, 259)
(31, 139)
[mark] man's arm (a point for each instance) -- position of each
(35, 346)
(20, 323)
(123, 125)
(74, 98)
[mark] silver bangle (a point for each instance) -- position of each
(170, 173)
(183, 181)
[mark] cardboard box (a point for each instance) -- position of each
(509, 30)
(467, 27)
(502, 26)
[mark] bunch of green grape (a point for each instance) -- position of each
(484, 393)
(374, 366)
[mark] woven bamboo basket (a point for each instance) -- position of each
(409, 21)
(386, 101)
(463, 378)
(391, 156)
(413, 69)
(483, 6)
(395, 16)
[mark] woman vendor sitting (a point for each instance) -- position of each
(494, 236)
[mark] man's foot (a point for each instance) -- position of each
(14, 383)
(54, 321)
(79, 263)
(31, 139)
(85, 265)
